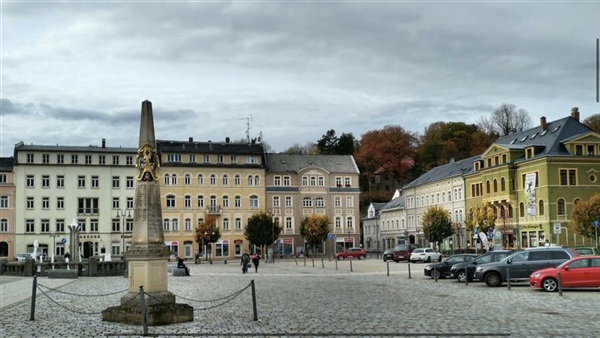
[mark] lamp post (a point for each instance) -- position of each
(123, 214)
(53, 234)
(204, 248)
(377, 232)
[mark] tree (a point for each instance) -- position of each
(583, 214)
(330, 144)
(314, 229)
(506, 120)
(482, 218)
(391, 148)
(261, 230)
(207, 231)
(297, 149)
(437, 224)
(593, 122)
(347, 144)
(327, 143)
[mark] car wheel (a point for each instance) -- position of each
(429, 259)
(340, 258)
(493, 279)
(461, 276)
(435, 274)
(361, 257)
(550, 284)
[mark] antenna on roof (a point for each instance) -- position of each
(248, 119)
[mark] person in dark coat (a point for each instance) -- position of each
(181, 265)
(245, 262)
(256, 261)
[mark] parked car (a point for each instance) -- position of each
(586, 250)
(523, 263)
(578, 272)
(359, 253)
(22, 256)
(464, 270)
(442, 269)
(398, 253)
(425, 255)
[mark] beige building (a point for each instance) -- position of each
(7, 205)
(223, 179)
(301, 185)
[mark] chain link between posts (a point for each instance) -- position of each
(223, 300)
(71, 310)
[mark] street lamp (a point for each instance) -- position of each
(123, 214)
(377, 232)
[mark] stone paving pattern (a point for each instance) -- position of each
(306, 301)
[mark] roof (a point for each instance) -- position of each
(189, 147)
(452, 169)
(296, 162)
(548, 142)
(378, 206)
(396, 203)
(74, 149)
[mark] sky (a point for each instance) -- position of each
(75, 72)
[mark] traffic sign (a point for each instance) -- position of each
(63, 241)
(596, 224)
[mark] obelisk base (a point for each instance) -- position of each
(161, 309)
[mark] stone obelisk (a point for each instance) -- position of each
(147, 256)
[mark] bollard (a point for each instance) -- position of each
(507, 277)
(304, 260)
(388, 268)
(323, 263)
(143, 309)
(313, 261)
(33, 293)
(409, 271)
(295, 260)
(336, 264)
(351, 266)
(466, 276)
(559, 284)
(435, 274)
(254, 301)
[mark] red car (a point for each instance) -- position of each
(359, 253)
(578, 272)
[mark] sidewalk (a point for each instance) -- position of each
(14, 290)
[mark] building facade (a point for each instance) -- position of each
(7, 210)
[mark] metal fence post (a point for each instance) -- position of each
(336, 264)
(466, 276)
(323, 263)
(559, 284)
(507, 277)
(143, 309)
(388, 268)
(409, 276)
(313, 261)
(33, 293)
(254, 301)
(351, 266)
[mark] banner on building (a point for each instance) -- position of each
(530, 183)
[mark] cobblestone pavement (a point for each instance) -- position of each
(295, 300)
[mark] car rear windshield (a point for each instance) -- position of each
(401, 247)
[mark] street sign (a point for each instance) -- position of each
(330, 236)
(63, 241)
(557, 229)
(596, 224)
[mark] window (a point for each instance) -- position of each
(560, 206)
(250, 180)
(166, 224)
(187, 179)
(30, 203)
(167, 179)
(187, 224)
(319, 202)
(349, 201)
(116, 225)
(187, 202)
(338, 222)
(237, 201)
(200, 200)
(225, 224)
(115, 182)
(95, 182)
(338, 181)
(88, 159)
(502, 184)
(200, 179)
(487, 187)
(313, 180)
(250, 159)
(349, 222)
(590, 150)
(129, 203)
(30, 181)
(45, 158)
(521, 209)
(102, 159)
(347, 181)
(233, 159)
(337, 201)
(225, 201)
(237, 180)
(87, 206)
(60, 203)
(286, 181)
(29, 226)
(225, 180)
(74, 159)
(578, 150)
(60, 159)
(173, 157)
(80, 181)
(175, 224)
(115, 203)
(495, 185)
(3, 225)
(206, 158)
(115, 159)
(170, 201)
(4, 202)
(3, 178)
(129, 160)
(256, 180)
(572, 177)
(174, 179)
(288, 223)
(220, 159)
(60, 225)
(60, 181)
(253, 202)
(276, 201)
(213, 179)
(192, 158)
(222, 249)
(30, 158)
(238, 224)
(94, 225)
(45, 203)
(307, 202)
(288, 201)
(568, 177)
(45, 181)
(129, 182)
(277, 180)
(541, 207)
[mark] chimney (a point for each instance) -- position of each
(103, 143)
(190, 139)
(543, 124)
(575, 113)
(227, 139)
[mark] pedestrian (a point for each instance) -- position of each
(256, 261)
(245, 262)
(181, 265)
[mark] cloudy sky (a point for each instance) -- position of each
(74, 72)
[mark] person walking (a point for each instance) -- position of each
(245, 262)
(256, 261)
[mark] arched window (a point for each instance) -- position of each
(237, 180)
(338, 222)
(560, 205)
(200, 179)
(576, 201)
(350, 222)
(521, 209)
(200, 201)
(166, 224)
(3, 225)
(495, 185)
(187, 202)
(487, 187)
(541, 207)
(250, 180)
(225, 201)
(167, 179)
(175, 224)
(213, 179)
(170, 201)
(174, 179)
(187, 180)
(307, 202)
(502, 184)
(237, 201)
(225, 180)
(256, 180)
(254, 202)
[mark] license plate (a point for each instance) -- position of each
(400, 256)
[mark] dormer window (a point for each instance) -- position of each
(529, 153)
(590, 150)
(477, 166)
(578, 150)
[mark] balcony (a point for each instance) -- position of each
(214, 210)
